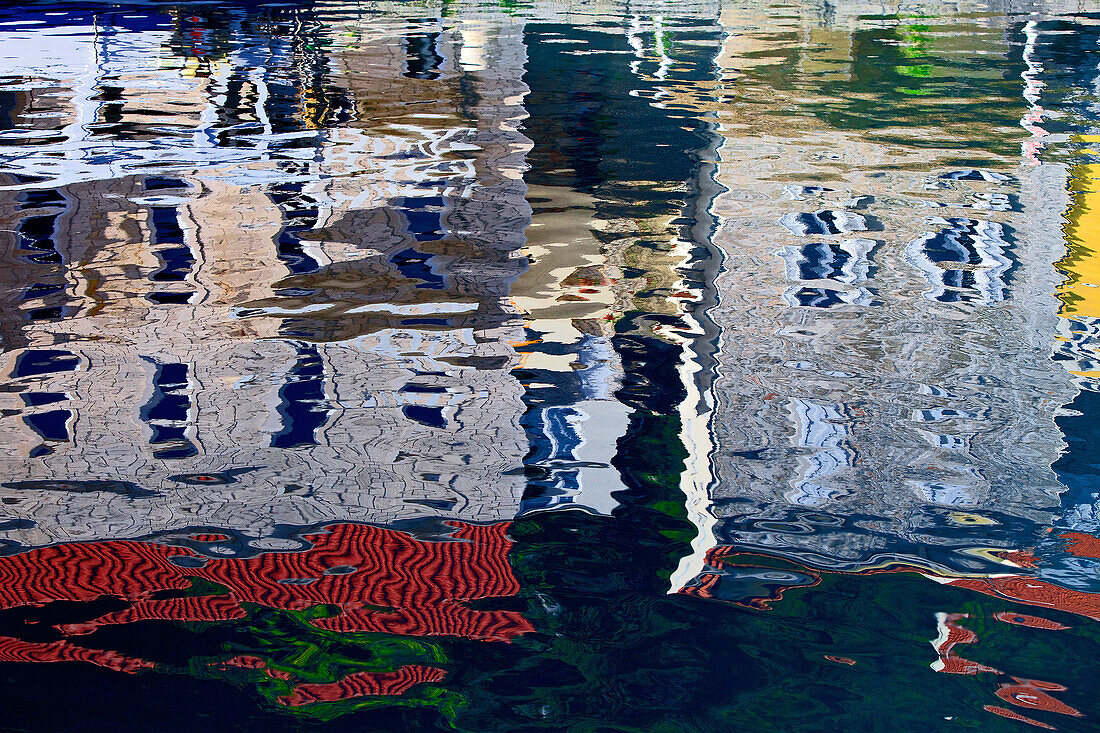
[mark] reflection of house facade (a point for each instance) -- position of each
(884, 394)
(1076, 345)
(249, 354)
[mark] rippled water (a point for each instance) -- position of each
(635, 366)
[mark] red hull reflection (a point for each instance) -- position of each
(380, 580)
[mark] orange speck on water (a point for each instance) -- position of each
(840, 660)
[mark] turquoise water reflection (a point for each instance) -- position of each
(654, 366)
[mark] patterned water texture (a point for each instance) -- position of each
(567, 366)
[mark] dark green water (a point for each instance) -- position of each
(547, 366)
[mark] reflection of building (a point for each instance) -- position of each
(288, 340)
(604, 298)
(567, 300)
(883, 392)
(1076, 345)
(254, 318)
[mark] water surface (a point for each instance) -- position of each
(543, 366)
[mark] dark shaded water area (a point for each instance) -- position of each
(602, 366)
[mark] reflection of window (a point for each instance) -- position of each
(966, 260)
(9, 100)
(424, 221)
(423, 216)
(845, 261)
(824, 222)
(156, 183)
(430, 416)
(833, 265)
(422, 61)
(821, 429)
(415, 266)
(41, 197)
(52, 425)
(44, 361)
(300, 212)
(168, 412)
(555, 435)
(175, 256)
(36, 236)
(425, 404)
(303, 409)
(112, 103)
(825, 297)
